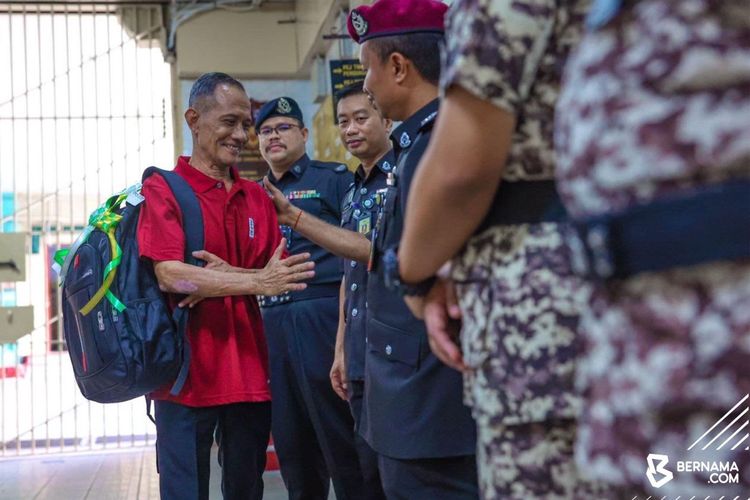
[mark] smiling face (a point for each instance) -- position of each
(281, 148)
(364, 132)
(220, 127)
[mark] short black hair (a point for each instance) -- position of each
(356, 88)
(422, 49)
(205, 86)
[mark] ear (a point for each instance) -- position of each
(399, 66)
(305, 133)
(388, 124)
(191, 117)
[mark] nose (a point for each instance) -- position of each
(240, 133)
(351, 128)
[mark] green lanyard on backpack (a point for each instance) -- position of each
(104, 219)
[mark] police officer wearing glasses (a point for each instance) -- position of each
(365, 133)
(312, 427)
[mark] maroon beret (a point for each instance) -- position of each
(396, 17)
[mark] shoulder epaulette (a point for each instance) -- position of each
(428, 121)
(330, 165)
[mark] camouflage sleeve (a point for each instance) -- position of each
(493, 48)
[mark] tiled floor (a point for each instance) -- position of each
(117, 475)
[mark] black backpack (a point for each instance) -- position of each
(122, 340)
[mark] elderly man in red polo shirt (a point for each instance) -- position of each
(226, 395)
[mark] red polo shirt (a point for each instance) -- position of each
(229, 361)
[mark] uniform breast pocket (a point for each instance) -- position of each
(393, 344)
(310, 205)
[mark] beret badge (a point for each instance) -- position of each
(283, 106)
(359, 23)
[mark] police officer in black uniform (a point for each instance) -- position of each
(413, 413)
(311, 427)
(364, 132)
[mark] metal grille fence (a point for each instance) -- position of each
(84, 108)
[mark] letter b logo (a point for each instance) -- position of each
(656, 467)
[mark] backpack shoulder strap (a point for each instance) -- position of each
(190, 208)
(192, 226)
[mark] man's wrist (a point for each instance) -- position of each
(287, 216)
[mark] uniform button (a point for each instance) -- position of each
(297, 169)
(219, 185)
(353, 288)
(363, 191)
(388, 349)
(354, 312)
(353, 264)
(357, 212)
(365, 340)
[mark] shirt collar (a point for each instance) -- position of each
(197, 180)
(403, 136)
(385, 165)
(296, 170)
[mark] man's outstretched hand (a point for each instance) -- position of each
(285, 211)
(285, 275)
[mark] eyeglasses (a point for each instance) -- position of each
(280, 129)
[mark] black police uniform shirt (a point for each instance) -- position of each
(413, 402)
(360, 214)
(318, 188)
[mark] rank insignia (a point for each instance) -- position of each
(405, 140)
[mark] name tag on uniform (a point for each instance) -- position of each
(251, 227)
(303, 195)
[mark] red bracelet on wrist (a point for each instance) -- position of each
(294, 227)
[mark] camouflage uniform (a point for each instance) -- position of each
(517, 292)
(657, 101)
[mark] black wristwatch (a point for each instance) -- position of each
(393, 278)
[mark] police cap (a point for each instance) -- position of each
(281, 106)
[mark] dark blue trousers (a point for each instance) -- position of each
(368, 459)
(313, 431)
(450, 478)
(184, 436)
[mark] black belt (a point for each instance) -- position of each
(313, 291)
(524, 202)
(699, 226)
